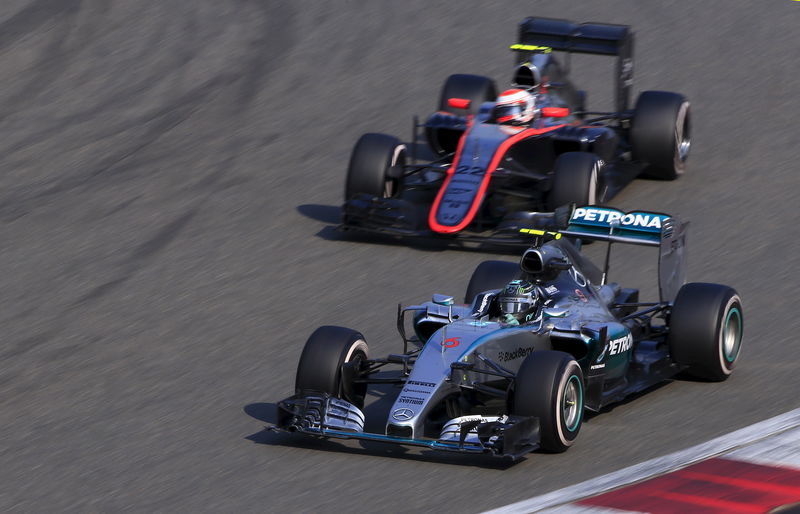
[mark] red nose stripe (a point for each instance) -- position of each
(476, 202)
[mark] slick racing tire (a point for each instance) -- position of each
(324, 364)
(376, 167)
(549, 385)
(475, 88)
(661, 133)
(705, 330)
(491, 275)
(575, 176)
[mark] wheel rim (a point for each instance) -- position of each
(391, 186)
(683, 135)
(732, 335)
(592, 200)
(572, 403)
(684, 144)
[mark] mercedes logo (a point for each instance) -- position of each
(403, 414)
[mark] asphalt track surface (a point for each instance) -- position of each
(170, 174)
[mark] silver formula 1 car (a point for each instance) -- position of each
(535, 345)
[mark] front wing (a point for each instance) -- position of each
(399, 218)
(326, 416)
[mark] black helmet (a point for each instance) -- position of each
(520, 299)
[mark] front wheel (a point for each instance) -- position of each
(660, 133)
(575, 176)
(376, 167)
(705, 330)
(329, 354)
(549, 385)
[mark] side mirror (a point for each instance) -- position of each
(443, 299)
(458, 103)
(555, 112)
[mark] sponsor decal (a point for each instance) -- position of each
(609, 216)
(412, 390)
(581, 295)
(620, 345)
(515, 354)
(598, 366)
(411, 400)
(403, 414)
(626, 72)
(451, 342)
(551, 290)
(485, 299)
(476, 417)
(421, 384)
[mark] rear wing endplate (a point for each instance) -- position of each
(666, 232)
(587, 38)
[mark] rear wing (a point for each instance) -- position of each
(666, 232)
(587, 38)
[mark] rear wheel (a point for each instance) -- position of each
(330, 360)
(574, 180)
(660, 133)
(376, 166)
(549, 385)
(705, 330)
(491, 275)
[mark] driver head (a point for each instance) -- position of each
(515, 107)
(520, 299)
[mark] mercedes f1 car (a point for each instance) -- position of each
(488, 177)
(535, 345)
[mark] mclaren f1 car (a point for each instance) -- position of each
(491, 172)
(535, 345)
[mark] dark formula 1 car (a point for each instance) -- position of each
(535, 345)
(489, 176)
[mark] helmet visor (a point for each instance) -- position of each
(508, 112)
(514, 305)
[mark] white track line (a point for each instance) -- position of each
(657, 466)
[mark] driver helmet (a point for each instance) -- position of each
(520, 300)
(515, 107)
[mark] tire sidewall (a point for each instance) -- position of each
(357, 348)
(698, 321)
(373, 167)
(571, 373)
(592, 192)
(680, 119)
(733, 305)
(660, 122)
(575, 180)
(326, 350)
(540, 390)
